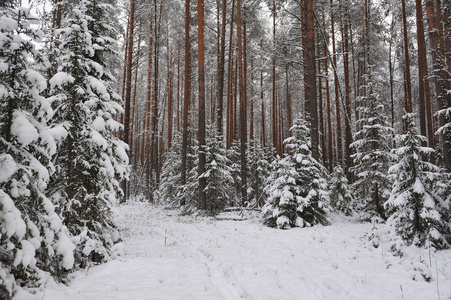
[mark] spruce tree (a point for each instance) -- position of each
(415, 210)
(170, 188)
(259, 171)
(297, 188)
(32, 236)
(217, 172)
(341, 198)
(91, 160)
(372, 155)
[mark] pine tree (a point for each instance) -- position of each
(91, 160)
(414, 208)
(340, 195)
(32, 236)
(372, 155)
(297, 189)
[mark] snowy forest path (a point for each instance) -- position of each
(168, 256)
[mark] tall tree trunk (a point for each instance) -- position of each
(289, 110)
(221, 68)
(230, 83)
(243, 120)
(426, 126)
(408, 104)
(201, 64)
(170, 100)
(148, 111)
(263, 110)
(155, 139)
(187, 95)
(128, 88)
(336, 88)
(274, 117)
(348, 136)
(310, 76)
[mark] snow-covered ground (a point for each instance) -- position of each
(179, 257)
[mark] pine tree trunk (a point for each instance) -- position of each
(128, 88)
(408, 104)
(426, 126)
(187, 95)
(310, 76)
(243, 120)
(348, 136)
(230, 83)
(274, 117)
(263, 110)
(221, 68)
(201, 62)
(337, 97)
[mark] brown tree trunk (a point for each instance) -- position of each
(230, 83)
(426, 124)
(263, 110)
(148, 111)
(201, 62)
(187, 95)
(408, 104)
(348, 137)
(289, 111)
(310, 76)
(339, 144)
(221, 68)
(128, 88)
(274, 117)
(243, 120)
(170, 100)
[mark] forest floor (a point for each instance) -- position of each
(167, 256)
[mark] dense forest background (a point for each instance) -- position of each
(296, 107)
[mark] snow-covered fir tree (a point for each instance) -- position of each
(217, 172)
(170, 188)
(91, 161)
(33, 238)
(372, 155)
(259, 160)
(297, 189)
(414, 208)
(341, 198)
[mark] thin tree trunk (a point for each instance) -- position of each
(348, 136)
(426, 126)
(128, 87)
(263, 110)
(229, 83)
(408, 104)
(221, 68)
(274, 128)
(337, 98)
(310, 76)
(187, 95)
(243, 121)
(201, 61)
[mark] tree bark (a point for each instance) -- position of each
(128, 88)
(202, 204)
(310, 76)
(187, 95)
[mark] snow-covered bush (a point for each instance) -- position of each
(341, 198)
(414, 208)
(297, 189)
(91, 161)
(32, 236)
